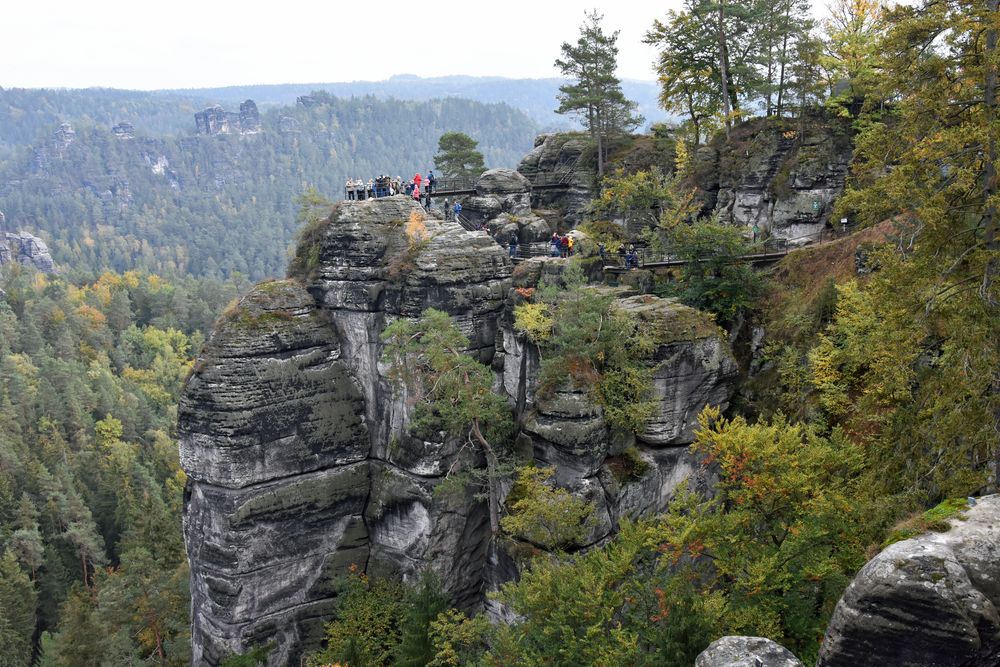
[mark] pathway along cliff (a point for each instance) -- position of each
(299, 460)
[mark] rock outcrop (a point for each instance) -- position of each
(561, 158)
(26, 249)
(502, 204)
(746, 652)
(216, 120)
(929, 600)
(781, 176)
(297, 448)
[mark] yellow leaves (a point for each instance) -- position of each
(416, 229)
(534, 320)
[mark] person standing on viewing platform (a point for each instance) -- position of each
(417, 180)
(349, 187)
(512, 246)
(416, 192)
(430, 181)
(427, 197)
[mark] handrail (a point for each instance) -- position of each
(771, 247)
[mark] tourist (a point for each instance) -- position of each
(512, 245)
(564, 246)
(569, 245)
(427, 197)
(603, 253)
(556, 243)
(622, 256)
(416, 192)
(350, 189)
(458, 210)
(417, 180)
(430, 181)
(447, 211)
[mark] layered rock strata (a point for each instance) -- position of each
(27, 249)
(782, 177)
(298, 450)
(929, 600)
(561, 158)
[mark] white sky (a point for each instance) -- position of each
(148, 44)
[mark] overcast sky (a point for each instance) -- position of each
(146, 44)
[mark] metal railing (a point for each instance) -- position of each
(769, 248)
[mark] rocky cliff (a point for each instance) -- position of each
(782, 175)
(298, 452)
(929, 600)
(561, 157)
(25, 248)
(216, 120)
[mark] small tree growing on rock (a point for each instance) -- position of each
(451, 391)
(457, 156)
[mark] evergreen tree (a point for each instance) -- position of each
(17, 613)
(457, 156)
(424, 603)
(594, 92)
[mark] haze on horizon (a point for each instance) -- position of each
(186, 44)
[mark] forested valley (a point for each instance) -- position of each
(216, 206)
(868, 406)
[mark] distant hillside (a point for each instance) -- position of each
(215, 205)
(536, 97)
(28, 114)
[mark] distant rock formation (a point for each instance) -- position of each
(216, 120)
(296, 446)
(26, 249)
(929, 600)
(746, 652)
(124, 130)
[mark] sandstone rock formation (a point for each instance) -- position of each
(782, 177)
(558, 157)
(746, 652)
(27, 249)
(216, 120)
(298, 454)
(502, 204)
(929, 600)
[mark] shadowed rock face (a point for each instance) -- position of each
(298, 455)
(24, 248)
(783, 177)
(929, 600)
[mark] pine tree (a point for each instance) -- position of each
(457, 156)
(17, 613)
(595, 91)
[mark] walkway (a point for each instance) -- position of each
(773, 250)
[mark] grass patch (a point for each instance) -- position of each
(934, 519)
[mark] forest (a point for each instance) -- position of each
(223, 205)
(877, 416)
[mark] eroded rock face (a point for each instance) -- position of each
(746, 652)
(27, 249)
(216, 120)
(557, 157)
(929, 600)
(782, 178)
(298, 452)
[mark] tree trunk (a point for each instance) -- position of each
(492, 492)
(724, 67)
(990, 222)
(784, 58)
